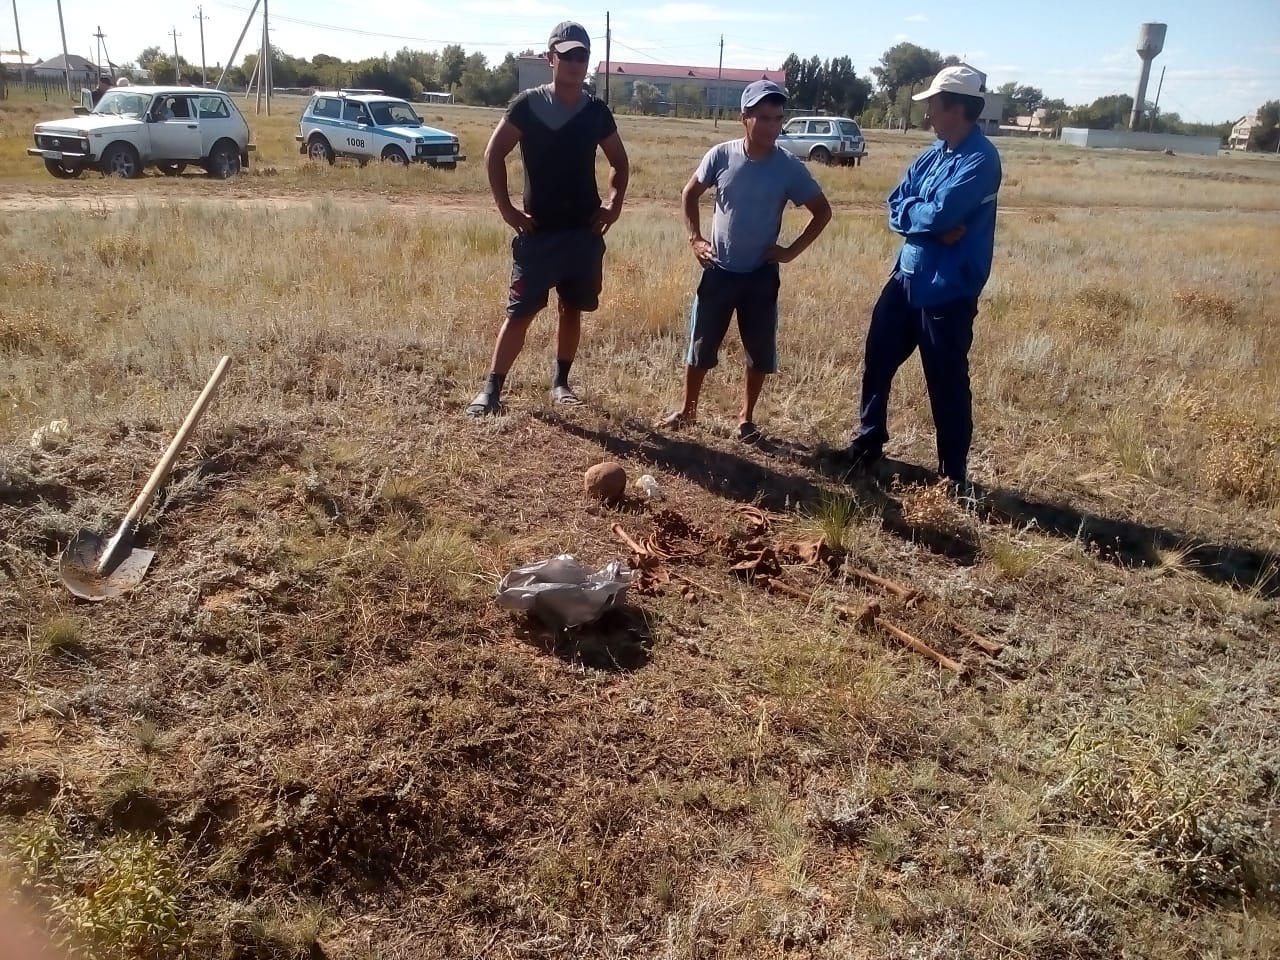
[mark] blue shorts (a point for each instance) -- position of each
(754, 297)
(571, 261)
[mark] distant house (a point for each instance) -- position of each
(1241, 130)
(711, 86)
(83, 71)
(676, 84)
(1033, 124)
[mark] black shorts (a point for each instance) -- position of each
(570, 261)
(754, 297)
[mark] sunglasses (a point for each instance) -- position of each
(575, 56)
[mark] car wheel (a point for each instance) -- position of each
(121, 160)
(63, 171)
(318, 149)
(820, 155)
(171, 169)
(396, 156)
(224, 162)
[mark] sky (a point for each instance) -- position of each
(1220, 62)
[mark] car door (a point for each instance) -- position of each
(177, 138)
(791, 138)
(359, 138)
(213, 113)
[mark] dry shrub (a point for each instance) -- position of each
(27, 272)
(34, 334)
(1206, 829)
(122, 250)
(1201, 305)
(1098, 312)
(1242, 459)
(932, 506)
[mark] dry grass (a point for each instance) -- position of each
(312, 733)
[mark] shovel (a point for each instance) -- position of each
(95, 568)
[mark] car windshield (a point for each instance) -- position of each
(394, 114)
(122, 103)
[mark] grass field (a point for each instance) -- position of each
(311, 733)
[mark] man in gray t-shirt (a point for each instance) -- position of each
(754, 181)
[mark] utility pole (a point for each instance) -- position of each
(264, 62)
(99, 36)
(719, 85)
(175, 34)
(1151, 123)
(63, 29)
(22, 63)
(608, 65)
(204, 78)
(236, 49)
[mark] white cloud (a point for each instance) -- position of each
(917, 18)
(701, 13)
(515, 8)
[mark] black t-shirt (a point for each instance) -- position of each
(558, 145)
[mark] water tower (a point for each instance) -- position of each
(1150, 43)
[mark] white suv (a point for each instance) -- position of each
(132, 128)
(824, 140)
(368, 125)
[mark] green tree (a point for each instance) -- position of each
(475, 82)
(905, 64)
(1266, 135)
(1106, 113)
(645, 96)
(689, 98)
(505, 82)
(149, 56)
(842, 90)
(453, 60)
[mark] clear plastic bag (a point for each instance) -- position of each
(562, 593)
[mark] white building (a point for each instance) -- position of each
(1241, 130)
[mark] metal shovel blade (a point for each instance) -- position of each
(80, 562)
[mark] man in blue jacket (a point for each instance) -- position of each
(945, 210)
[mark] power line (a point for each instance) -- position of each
(317, 25)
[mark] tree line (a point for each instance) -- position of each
(832, 85)
(407, 73)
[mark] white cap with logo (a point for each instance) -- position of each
(962, 80)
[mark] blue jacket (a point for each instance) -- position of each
(942, 190)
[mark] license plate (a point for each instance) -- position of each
(51, 154)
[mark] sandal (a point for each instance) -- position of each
(563, 396)
(483, 406)
(748, 432)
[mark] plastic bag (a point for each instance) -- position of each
(561, 591)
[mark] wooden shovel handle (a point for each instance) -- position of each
(161, 472)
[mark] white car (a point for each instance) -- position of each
(132, 128)
(368, 125)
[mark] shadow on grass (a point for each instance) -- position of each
(742, 478)
(621, 641)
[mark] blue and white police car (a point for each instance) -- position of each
(369, 125)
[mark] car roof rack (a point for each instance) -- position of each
(356, 91)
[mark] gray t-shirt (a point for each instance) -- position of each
(750, 198)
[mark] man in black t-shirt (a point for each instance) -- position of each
(559, 239)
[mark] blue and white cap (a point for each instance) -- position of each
(757, 90)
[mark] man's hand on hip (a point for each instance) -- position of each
(779, 254)
(702, 250)
(605, 218)
(518, 220)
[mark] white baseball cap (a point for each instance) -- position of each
(960, 79)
